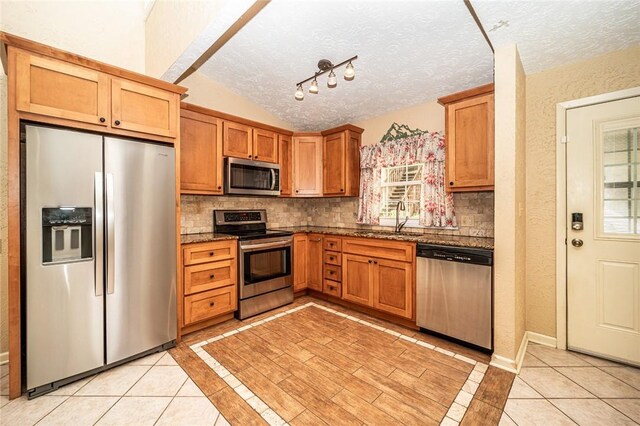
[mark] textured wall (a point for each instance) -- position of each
(474, 210)
(210, 94)
(607, 73)
(426, 116)
(509, 273)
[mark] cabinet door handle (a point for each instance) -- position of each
(117, 122)
(212, 303)
(255, 156)
(450, 183)
(341, 190)
(249, 156)
(375, 262)
(370, 261)
(212, 276)
(211, 253)
(102, 119)
(330, 272)
(219, 187)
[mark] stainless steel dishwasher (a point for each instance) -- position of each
(454, 293)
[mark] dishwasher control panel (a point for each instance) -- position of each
(456, 254)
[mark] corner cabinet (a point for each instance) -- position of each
(307, 165)
(341, 161)
(469, 117)
(200, 153)
(285, 152)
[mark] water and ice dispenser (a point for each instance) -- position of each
(67, 234)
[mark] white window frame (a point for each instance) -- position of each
(391, 221)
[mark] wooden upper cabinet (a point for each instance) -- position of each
(333, 167)
(341, 161)
(300, 242)
(357, 279)
(200, 153)
(314, 262)
(470, 139)
(141, 108)
(265, 146)
(393, 287)
(284, 155)
(237, 140)
(62, 90)
(307, 166)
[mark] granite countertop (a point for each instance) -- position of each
(205, 238)
(446, 240)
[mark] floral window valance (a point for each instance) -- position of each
(426, 148)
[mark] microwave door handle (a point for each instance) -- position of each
(273, 179)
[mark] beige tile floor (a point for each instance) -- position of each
(151, 390)
(558, 387)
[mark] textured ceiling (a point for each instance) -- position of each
(552, 33)
(409, 52)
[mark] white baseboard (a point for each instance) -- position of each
(512, 365)
(4, 358)
(542, 339)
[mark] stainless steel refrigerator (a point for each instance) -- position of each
(99, 252)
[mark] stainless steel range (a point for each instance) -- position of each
(265, 260)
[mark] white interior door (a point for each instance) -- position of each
(603, 258)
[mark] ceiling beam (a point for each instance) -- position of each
(474, 15)
(247, 16)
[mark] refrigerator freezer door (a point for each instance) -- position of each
(64, 313)
(141, 247)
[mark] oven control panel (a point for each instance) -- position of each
(242, 216)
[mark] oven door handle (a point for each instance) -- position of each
(265, 246)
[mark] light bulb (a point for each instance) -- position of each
(332, 81)
(299, 93)
(349, 72)
(314, 87)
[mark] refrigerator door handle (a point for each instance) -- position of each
(111, 232)
(99, 232)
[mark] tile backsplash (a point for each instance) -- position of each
(474, 212)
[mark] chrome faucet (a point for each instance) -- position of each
(400, 207)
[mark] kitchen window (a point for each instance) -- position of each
(401, 183)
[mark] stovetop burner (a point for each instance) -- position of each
(245, 224)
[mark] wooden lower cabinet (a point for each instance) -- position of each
(376, 273)
(209, 276)
(300, 242)
(393, 287)
(357, 279)
(209, 304)
(314, 262)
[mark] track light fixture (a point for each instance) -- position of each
(324, 66)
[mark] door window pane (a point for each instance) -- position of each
(620, 174)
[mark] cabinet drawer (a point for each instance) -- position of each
(332, 258)
(208, 252)
(382, 249)
(209, 304)
(332, 272)
(207, 276)
(333, 288)
(332, 243)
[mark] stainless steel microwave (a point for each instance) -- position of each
(247, 177)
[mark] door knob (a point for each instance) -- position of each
(577, 242)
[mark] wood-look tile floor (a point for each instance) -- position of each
(317, 367)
